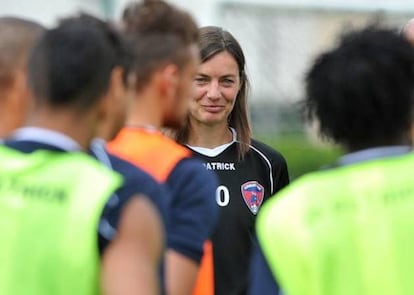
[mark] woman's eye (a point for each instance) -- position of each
(228, 82)
(200, 80)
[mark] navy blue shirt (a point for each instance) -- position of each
(261, 278)
(190, 203)
(136, 181)
(193, 211)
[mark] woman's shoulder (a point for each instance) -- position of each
(267, 151)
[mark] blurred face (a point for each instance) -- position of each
(119, 111)
(217, 84)
(409, 31)
(177, 114)
(17, 105)
(119, 97)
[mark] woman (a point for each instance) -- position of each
(219, 133)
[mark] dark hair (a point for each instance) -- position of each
(159, 34)
(362, 91)
(214, 40)
(71, 64)
(17, 37)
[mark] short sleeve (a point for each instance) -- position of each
(136, 182)
(193, 208)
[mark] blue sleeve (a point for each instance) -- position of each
(135, 182)
(193, 210)
(260, 276)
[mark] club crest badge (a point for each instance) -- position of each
(253, 193)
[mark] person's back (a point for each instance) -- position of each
(348, 229)
(164, 42)
(352, 230)
(147, 149)
(54, 197)
(41, 256)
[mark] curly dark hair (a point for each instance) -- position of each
(362, 91)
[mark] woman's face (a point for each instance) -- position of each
(216, 86)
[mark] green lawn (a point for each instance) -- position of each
(301, 155)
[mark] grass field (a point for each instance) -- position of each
(301, 155)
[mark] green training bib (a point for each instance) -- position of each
(50, 205)
(348, 230)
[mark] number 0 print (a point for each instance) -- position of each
(222, 196)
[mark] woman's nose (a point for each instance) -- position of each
(213, 91)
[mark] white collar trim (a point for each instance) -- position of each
(214, 152)
(373, 153)
(46, 136)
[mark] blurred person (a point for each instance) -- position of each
(135, 180)
(408, 31)
(164, 43)
(17, 36)
(54, 220)
(348, 229)
(218, 132)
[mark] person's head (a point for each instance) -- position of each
(221, 85)
(408, 31)
(77, 68)
(361, 92)
(17, 37)
(165, 53)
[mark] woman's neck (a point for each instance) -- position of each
(207, 136)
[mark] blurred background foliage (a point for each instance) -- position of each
(301, 155)
(283, 128)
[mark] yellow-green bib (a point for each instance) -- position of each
(50, 204)
(344, 231)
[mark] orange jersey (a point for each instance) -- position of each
(194, 213)
(204, 284)
(150, 150)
